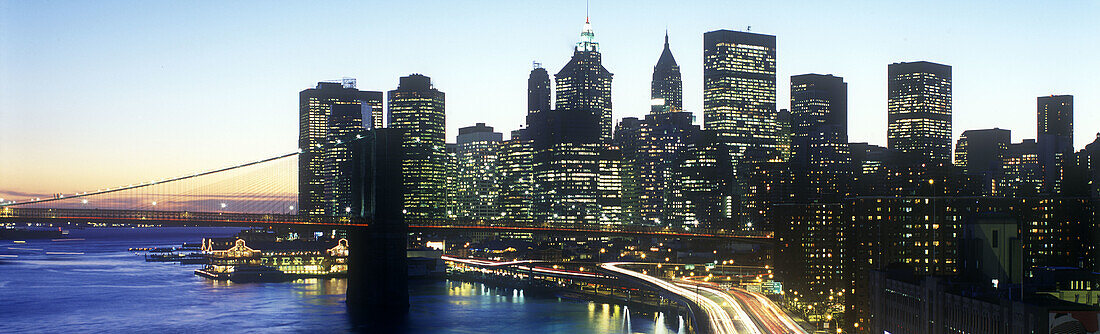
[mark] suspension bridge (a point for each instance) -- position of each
(261, 193)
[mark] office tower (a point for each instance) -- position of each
(870, 164)
(919, 110)
(315, 105)
(705, 191)
(783, 118)
(566, 166)
(584, 84)
(448, 204)
(980, 154)
(739, 91)
(419, 109)
(610, 185)
(819, 137)
(515, 170)
(1021, 170)
(666, 89)
(478, 181)
(664, 137)
(1055, 138)
(345, 124)
(628, 137)
(538, 90)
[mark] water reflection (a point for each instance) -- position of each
(110, 289)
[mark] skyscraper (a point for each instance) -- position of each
(584, 84)
(919, 110)
(419, 109)
(610, 185)
(538, 90)
(739, 91)
(345, 124)
(1054, 135)
(314, 108)
(980, 154)
(515, 170)
(478, 186)
(819, 137)
(704, 191)
(666, 89)
(628, 137)
(651, 146)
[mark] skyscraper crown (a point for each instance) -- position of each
(588, 39)
(666, 61)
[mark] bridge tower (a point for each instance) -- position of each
(378, 290)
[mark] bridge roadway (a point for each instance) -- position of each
(11, 214)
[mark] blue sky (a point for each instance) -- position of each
(104, 93)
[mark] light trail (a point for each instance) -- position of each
(719, 320)
(742, 317)
(765, 312)
(764, 308)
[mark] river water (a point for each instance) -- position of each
(93, 284)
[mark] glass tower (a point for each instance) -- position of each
(1055, 138)
(819, 136)
(516, 178)
(314, 108)
(418, 108)
(478, 187)
(919, 110)
(739, 91)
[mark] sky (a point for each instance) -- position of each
(105, 93)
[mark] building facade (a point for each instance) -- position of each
(919, 110)
(515, 170)
(584, 84)
(314, 108)
(478, 181)
(666, 89)
(1054, 135)
(819, 137)
(739, 91)
(418, 108)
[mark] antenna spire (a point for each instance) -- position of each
(585, 11)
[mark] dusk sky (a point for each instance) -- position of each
(106, 93)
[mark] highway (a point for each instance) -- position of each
(763, 312)
(719, 320)
(766, 312)
(741, 321)
(726, 312)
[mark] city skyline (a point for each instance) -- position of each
(121, 141)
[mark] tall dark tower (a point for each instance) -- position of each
(666, 89)
(538, 90)
(584, 84)
(345, 123)
(418, 108)
(315, 106)
(1055, 138)
(739, 91)
(919, 110)
(819, 136)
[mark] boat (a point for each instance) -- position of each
(250, 274)
(243, 274)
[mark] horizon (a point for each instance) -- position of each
(152, 94)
